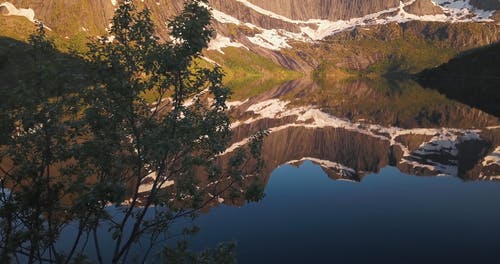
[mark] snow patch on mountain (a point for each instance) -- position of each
(267, 12)
(492, 158)
(343, 170)
(441, 145)
(317, 29)
(271, 39)
(463, 10)
(220, 42)
(148, 181)
(489, 163)
(14, 11)
(444, 141)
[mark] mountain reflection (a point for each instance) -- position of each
(402, 103)
(355, 128)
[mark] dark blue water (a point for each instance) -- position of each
(389, 217)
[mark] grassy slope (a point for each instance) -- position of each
(473, 78)
(15, 27)
(395, 49)
(392, 57)
(249, 74)
(19, 28)
(402, 103)
(386, 51)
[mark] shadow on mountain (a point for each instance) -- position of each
(388, 102)
(472, 78)
(29, 76)
(22, 72)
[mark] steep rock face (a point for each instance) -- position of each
(351, 149)
(325, 9)
(243, 13)
(461, 36)
(362, 47)
(348, 149)
(250, 23)
(423, 7)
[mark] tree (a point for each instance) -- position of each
(133, 152)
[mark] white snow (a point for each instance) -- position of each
(272, 39)
(444, 140)
(223, 17)
(14, 11)
(152, 176)
(269, 108)
(463, 10)
(232, 104)
(343, 170)
(190, 101)
(317, 29)
(114, 2)
(110, 39)
(267, 12)
(210, 61)
(220, 42)
(492, 158)
(443, 143)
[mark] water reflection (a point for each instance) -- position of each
(355, 128)
(389, 217)
(324, 139)
(402, 103)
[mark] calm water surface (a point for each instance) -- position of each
(389, 217)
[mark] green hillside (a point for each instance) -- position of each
(473, 78)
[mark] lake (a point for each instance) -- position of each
(361, 172)
(389, 217)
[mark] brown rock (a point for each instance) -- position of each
(3, 10)
(423, 7)
(325, 9)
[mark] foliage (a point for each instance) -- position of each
(103, 157)
(37, 136)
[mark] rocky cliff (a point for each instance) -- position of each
(309, 19)
(325, 9)
(348, 149)
(289, 32)
(423, 7)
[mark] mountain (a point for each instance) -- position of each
(308, 36)
(269, 24)
(264, 44)
(349, 148)
(473, 78)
